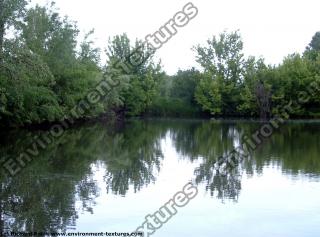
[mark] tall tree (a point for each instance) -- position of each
(222, 60)
(138, 65)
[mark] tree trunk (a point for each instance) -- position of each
(263, 99)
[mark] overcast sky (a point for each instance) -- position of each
(269, 28)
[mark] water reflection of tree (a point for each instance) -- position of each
(134, 157)
(43, 197)
(294, 148)
(209, 141)
(223, 183)
(204, 139)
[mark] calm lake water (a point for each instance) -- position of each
(101, 178)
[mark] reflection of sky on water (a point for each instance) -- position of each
(272, 204)
(97, 179)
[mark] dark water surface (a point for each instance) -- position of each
(101, 178)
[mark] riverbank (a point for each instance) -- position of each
(119, 119)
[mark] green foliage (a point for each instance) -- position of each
(173, 107)
(231, 85)
(222, 61)
(208, 94)
(27, 88)
(44, 76)
(11, 11)
(45, 72)
(313, 49)
(184, 84)
(144, 75)
(291, 78)
(315, 42)
(175, 96)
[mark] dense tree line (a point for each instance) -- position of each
(45, 72)
(232, 85)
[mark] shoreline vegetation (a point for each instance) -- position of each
(45, 71)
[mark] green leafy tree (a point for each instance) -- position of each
(144, 75)
(291, 78)
(248, 101)
(222, 61)
(313, 49)
(184, 84)
(255, 90)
